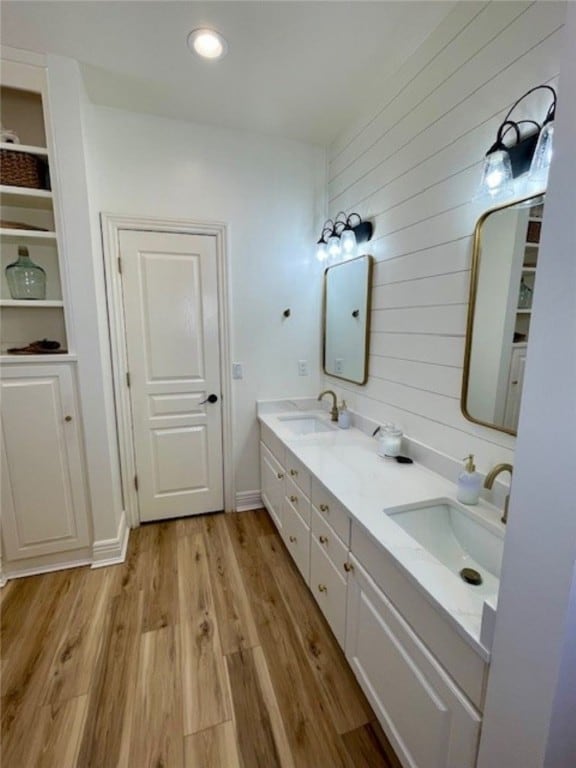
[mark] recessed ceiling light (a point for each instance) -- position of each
(207, 43)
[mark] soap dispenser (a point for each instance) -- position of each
(469, 483)
(343, 416)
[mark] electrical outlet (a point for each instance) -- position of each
(339, 365)
(302, 367)
(237, 371)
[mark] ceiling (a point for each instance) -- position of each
(296, 69)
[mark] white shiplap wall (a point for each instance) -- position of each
(412, 167)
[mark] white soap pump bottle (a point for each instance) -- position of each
(469, 483)
(344, 416)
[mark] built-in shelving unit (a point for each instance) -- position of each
(27, 218)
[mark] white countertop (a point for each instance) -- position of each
(347, 464)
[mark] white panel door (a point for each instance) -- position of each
(44, 508)
(169, 282)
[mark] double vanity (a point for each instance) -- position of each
(382, 546)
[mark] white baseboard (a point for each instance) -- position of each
(36, 570)
(111, 551)
(246, 500)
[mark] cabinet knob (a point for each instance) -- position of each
(323, 539)
(280, 475)
(293, 472)
(322, 588)
(292, 539)
(67, 418)
(348, 567)
(294, 499)
(323, 507)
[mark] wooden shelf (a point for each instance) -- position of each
(523, 311)
(66, 357)
(530, 270)
(32, 303)
(24, 197)
(38, 236)
(29, 149)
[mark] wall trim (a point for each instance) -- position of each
(246, 500)
(36, 570)
(111, 225)
(112, 551)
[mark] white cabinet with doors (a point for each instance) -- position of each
(44, 502)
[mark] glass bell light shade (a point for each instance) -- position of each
(334, 246)
(348, 243)
(496, 174)
(321, 251)
(542, 154)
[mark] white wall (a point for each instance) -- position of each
(413, 166)
(534, 650)
(265, 190)
(87, 310)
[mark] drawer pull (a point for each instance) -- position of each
(280, 475)
(294, 499)
(67, 418)
(348, 567)
(292, 539)
(293, 472)
(323, 507)
(323, 539)
(322, 588)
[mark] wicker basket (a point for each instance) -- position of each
(19, 169)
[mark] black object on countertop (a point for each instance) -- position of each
(403, 460)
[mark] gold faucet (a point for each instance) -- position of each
(334, 410)
(489, 482)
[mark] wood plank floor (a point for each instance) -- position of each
(204, 649)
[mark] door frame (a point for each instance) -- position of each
(112, 225)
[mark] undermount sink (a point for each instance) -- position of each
(460, 538)
(306, 425)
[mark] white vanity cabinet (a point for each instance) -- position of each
(429, 722)
(44, 503)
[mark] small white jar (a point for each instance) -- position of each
(390, 441)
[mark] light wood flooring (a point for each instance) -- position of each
(204, 649)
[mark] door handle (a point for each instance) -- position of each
(210, 399)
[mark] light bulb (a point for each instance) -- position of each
(207, 43)
(496, 174)
(348, 243)
(542, 154)
(334, 246)
(322, 251)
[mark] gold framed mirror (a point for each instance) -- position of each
(504, 264)
(346, 319)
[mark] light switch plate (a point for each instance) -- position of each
(237, 370)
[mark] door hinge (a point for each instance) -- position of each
(128, 379)
(119, 265)
(136, 482)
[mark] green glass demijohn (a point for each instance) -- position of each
(26, 280)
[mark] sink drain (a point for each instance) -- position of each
(470, 576)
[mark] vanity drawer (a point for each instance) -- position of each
(331, 544)
(329, 589)
(272, 478)
(299, 501)
(296, 536)
(298, 472)
(331, 510)
(274, 445)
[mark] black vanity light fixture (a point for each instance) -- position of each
(529, 152)
(340, 236)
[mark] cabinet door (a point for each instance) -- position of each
(44, 509)
(272, 478)
(296, 535)
(428, 720)
(329, 588)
